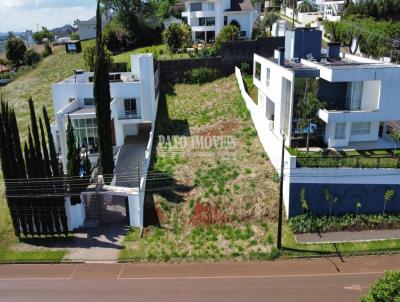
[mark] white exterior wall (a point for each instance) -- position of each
(276, 91)
(68, 97)
(75, 214)
(245, 18)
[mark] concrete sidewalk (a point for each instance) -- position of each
(337, 237)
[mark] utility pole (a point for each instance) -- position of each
(280, 206)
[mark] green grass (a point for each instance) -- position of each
(7, 255)
(251, 88)
(381, 158)
(161, 51)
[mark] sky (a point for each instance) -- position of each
(19, 15)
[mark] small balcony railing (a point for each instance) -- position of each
(131, 115)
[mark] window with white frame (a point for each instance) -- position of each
(340, 131)
(257, 71)
(361, 128)
(268, 77)
(85, 130)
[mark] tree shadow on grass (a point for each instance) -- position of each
(159, 182)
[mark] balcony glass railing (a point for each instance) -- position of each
(131, 115)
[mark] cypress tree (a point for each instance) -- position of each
(33, 168)
(53, 154)
(35, 133)
(73, 163)
(20, 171)
(101, 93)
(50, 204)
(28, 209)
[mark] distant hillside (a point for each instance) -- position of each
(64, 30)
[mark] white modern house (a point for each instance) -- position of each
(360, 108)
(133, 113)
(87, 29)
(206, 18)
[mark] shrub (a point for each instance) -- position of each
(227, 33)
(177, 36)
(311, 224)
(41, 35)
(245, 68)
(31, 57)
(74, 36)
(89, 56)
(201, 75)
(47, 50)
(385, 289)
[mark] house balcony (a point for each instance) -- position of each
(199, 14)
(130, 115)
(342, 116)
(203, 28)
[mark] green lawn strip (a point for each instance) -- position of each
(7, 256)
(293, 249)
(161, 51)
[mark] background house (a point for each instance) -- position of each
(87, 29)
(206, 18)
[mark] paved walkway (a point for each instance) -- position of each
(131, 155)
(336, 237)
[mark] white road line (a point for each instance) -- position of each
(249, 277)
(73, 272)
(121, 271)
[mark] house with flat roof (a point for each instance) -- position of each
(351, 151)
(133, 114)
(206, 18)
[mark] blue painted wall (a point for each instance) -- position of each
(370, 196)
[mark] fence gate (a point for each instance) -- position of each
(106, 208)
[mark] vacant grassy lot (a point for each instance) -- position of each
(209, 207)
(35, 83)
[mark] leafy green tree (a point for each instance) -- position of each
(386, 289)
(308, 109)
(227, 33)
(305, 6)
(101, 93)
(44, 33)
(395, 135)
(15, 51)
(177, 36)
(264, 23)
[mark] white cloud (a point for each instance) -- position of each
(43, 4)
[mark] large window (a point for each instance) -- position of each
(354, 95)
(340, 131)
(85, 130)
(209, 6)
(361, 128)
(194, 7)
(131, 110)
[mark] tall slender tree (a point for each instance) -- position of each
(52, 149)
(102, 98)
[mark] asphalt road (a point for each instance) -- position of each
(327, 279)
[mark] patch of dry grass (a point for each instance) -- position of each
(206, 198)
